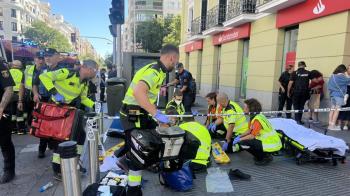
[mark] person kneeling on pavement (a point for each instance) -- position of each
(176, 102)
(261, 139)
(231, 123)
(195, 133)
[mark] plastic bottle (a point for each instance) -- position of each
(45, 187)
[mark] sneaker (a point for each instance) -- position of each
(57, 176)
(134, 191)
(7, 177)
(41, 155)
(237, 174)
(334, 128)
(345, 128)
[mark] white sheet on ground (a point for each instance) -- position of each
(309, 138)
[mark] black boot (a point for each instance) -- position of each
(134, 191)
(41, 155)
(7, 176)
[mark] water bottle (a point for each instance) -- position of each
(45, 187)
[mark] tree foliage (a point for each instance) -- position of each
(152, 35)
(47, 37)
(174, 31)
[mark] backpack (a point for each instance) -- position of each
(179, 180)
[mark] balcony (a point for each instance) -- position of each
(240, 12)
(272, 6)
(197, 27)
(215, 17)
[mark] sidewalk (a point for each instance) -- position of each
(282, 177)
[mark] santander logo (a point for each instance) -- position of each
(320, 7)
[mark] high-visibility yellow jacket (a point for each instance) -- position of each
(67, 83)
(17, 76)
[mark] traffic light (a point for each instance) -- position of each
(116, 15)
(112, 30)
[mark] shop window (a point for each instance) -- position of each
(290, 46)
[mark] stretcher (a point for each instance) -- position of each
(308, 145)
(219, 155)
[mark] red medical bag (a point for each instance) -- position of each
(54, 121)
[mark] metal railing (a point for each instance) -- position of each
(198, 25)
(238, 7)
(216, 16)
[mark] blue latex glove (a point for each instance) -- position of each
(195, 112)
(213, 127)
(225, 146)
(162, 118)
(236, 140)
(59, 98)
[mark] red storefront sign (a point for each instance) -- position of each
(235, 33)
(192, 46)
(309, 10)
(290, 58)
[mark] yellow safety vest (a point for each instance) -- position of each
(202, 134)
(17, 76)
(68, 84)
(179, 108)
(268, 136)
(153, 75)
(28, 76)
(240, 121)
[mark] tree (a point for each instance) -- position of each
(150, 34)
(174, 29)
(47, 37)
(153, 34)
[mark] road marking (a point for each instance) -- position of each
(30, 148)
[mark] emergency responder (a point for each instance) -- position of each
(138, 106)
(261, 139)
(7, 147)
(29, 73)
(185, 80)
(69, 87)
(197, 130)
(176, 102)
(300, 93)
(212, 108)
(39, 91)
(18, 125)
(231, 124)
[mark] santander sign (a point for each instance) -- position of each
(309, 10)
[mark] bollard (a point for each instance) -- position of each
(69, 167)
(92, 137)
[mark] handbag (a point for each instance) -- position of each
(54, 122)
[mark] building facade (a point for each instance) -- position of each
(145, 10)
(242, 46)
(16, 15)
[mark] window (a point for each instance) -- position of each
(14, 26)
(190, 19)
(140, 3)
(2, 37)
(290, 46)
(1, 25)
(13, 13)
(14, 38)
(1, 11)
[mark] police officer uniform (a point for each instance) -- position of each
(67, 83)
(301, 92)
(7, 147)
(18, 124)
(185, 79)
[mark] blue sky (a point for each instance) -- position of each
(90, 16)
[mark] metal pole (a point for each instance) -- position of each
(119, 51)
(114, 50)
(92, 136)
(69, 168)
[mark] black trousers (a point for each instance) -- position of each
(7, 147)
(220, 132)
(187, 101)
(253, 146)
(282, 100)
(299, 100)
(28, 106)
(102, 93)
